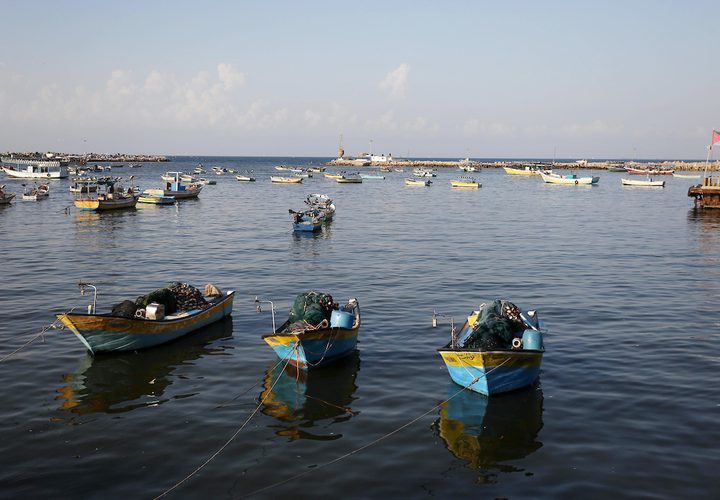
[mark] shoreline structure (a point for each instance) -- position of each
(581, 164)
(82, 159)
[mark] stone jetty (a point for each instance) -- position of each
(83, 158)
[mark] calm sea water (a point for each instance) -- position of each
(625, 278)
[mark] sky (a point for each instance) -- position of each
(484, 79)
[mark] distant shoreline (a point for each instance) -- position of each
(83, 158)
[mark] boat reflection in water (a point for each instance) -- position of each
(307, 403)
(123, 382)
(486, 431)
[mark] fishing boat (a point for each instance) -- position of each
(5, 197)
(169, 176)
(306, 345)
(111, 195)
(649, 171)
(639, 183)
(616, 168)
(31, 169)
(687, 176)
(424, 172)
(176, 188)
(480, 360)
(372, 177)
(306, 220)
(156, 199)
(527, 170)
(465, 183)
(246, 177)
(206, 182)
(149, 325)
(35, 192)
(468, 168)
(286, 180)
(707, 193)
(316, 170)
(188, 178)
(333, 176)
(283, 168)
(83, 185)
(135, 165)
(417, 182)
(552, 178)
(323, 204)
(349, 179)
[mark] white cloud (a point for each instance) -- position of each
(595, 128)
(312, 117)
(476, 127)
(396, 81)
(229, 76)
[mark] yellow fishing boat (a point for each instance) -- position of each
(521, 171)
(417, 182)
(286, 180)
(333, 176)
(468, 183)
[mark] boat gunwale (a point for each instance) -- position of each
(279, 332)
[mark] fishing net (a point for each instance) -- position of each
(312, 307)
(496, 326)
(162, 296)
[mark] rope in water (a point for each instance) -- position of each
(371, 443)
(41, 333)
(225, 445)
(227, 403)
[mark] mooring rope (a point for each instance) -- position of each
(227, 403)
(225, 445)
(374, 442)
(41, 333)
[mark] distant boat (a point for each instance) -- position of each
(521, 171)
(156, 199)
(499, 367)
(466, 182)
(417, 182)
(176, 188)
(333, 176)
(306, 221)
(639, 183)
(616, 169)
(372, 176)
(36, 192)
(649, 171)
(424, 172)
(283, 168)
(245, 178)
(687, 176)
(26, 169)
(206, 182)
(349, 179)
(552, 178)
(286, 180)
(112, 196)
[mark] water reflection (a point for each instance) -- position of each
(485, 432)
(708, 225)
(119, 383)
(301, 400)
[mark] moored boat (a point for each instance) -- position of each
(112, 196)
(30, 169)
(36, 192)
(639, 183)
(498, 349)
(527, 170)
(687, 176)
(176, 188)
(465, 182)
(285, 180)
(318, 331)
(372, 177)
(160, 317)
(323, 204)
(648, 171)
(552, 178)
(707, 193)
(349, 179)
(306, 220)
(5, 197)
(246, 177)
(156, 199)
(333, 176)
(417, 182)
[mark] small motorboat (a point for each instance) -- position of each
(318, 330)
(372, 177)
(424, 172)
(417, 182)
(649, 171)
(316, 170)
(498, 349)
(156, 199)
(35, 192)
(687, 176)
(285, 180)
(188, 178)
(570, 179)
(176, 188)
(349, 179)
(246, 177)
(156, 318)
(527, 170)
(465, 183)
(322, 205)
(206, 182)
(5, 197)
(307, 220)
(283, 168)
(638, 183)
(333, 176)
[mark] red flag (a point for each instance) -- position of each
(715, 137)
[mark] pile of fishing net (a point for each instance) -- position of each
(496, 326)
(311, 308)
(175, 296)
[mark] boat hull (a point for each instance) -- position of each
(157, 200)
(314, 347)
(416, 182)
(496, 371)
(520, 171)
(631, 182)
(60, 173)
(640, 171)
(286, 180)
(106, 333)
(100, 205)
(582, 181)
(465, 184)
(307, 226)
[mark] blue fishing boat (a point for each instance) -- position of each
(144, 326)
(305, 343)
(498, 349)
(305, 221)
(372, 176)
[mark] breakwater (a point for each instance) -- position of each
(82, 158)
(600, 165)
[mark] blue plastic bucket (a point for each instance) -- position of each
(341, 319)
(532, 339)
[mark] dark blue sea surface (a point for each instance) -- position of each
(626, 279)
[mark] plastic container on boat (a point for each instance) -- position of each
(341, 319)
(532, 340)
